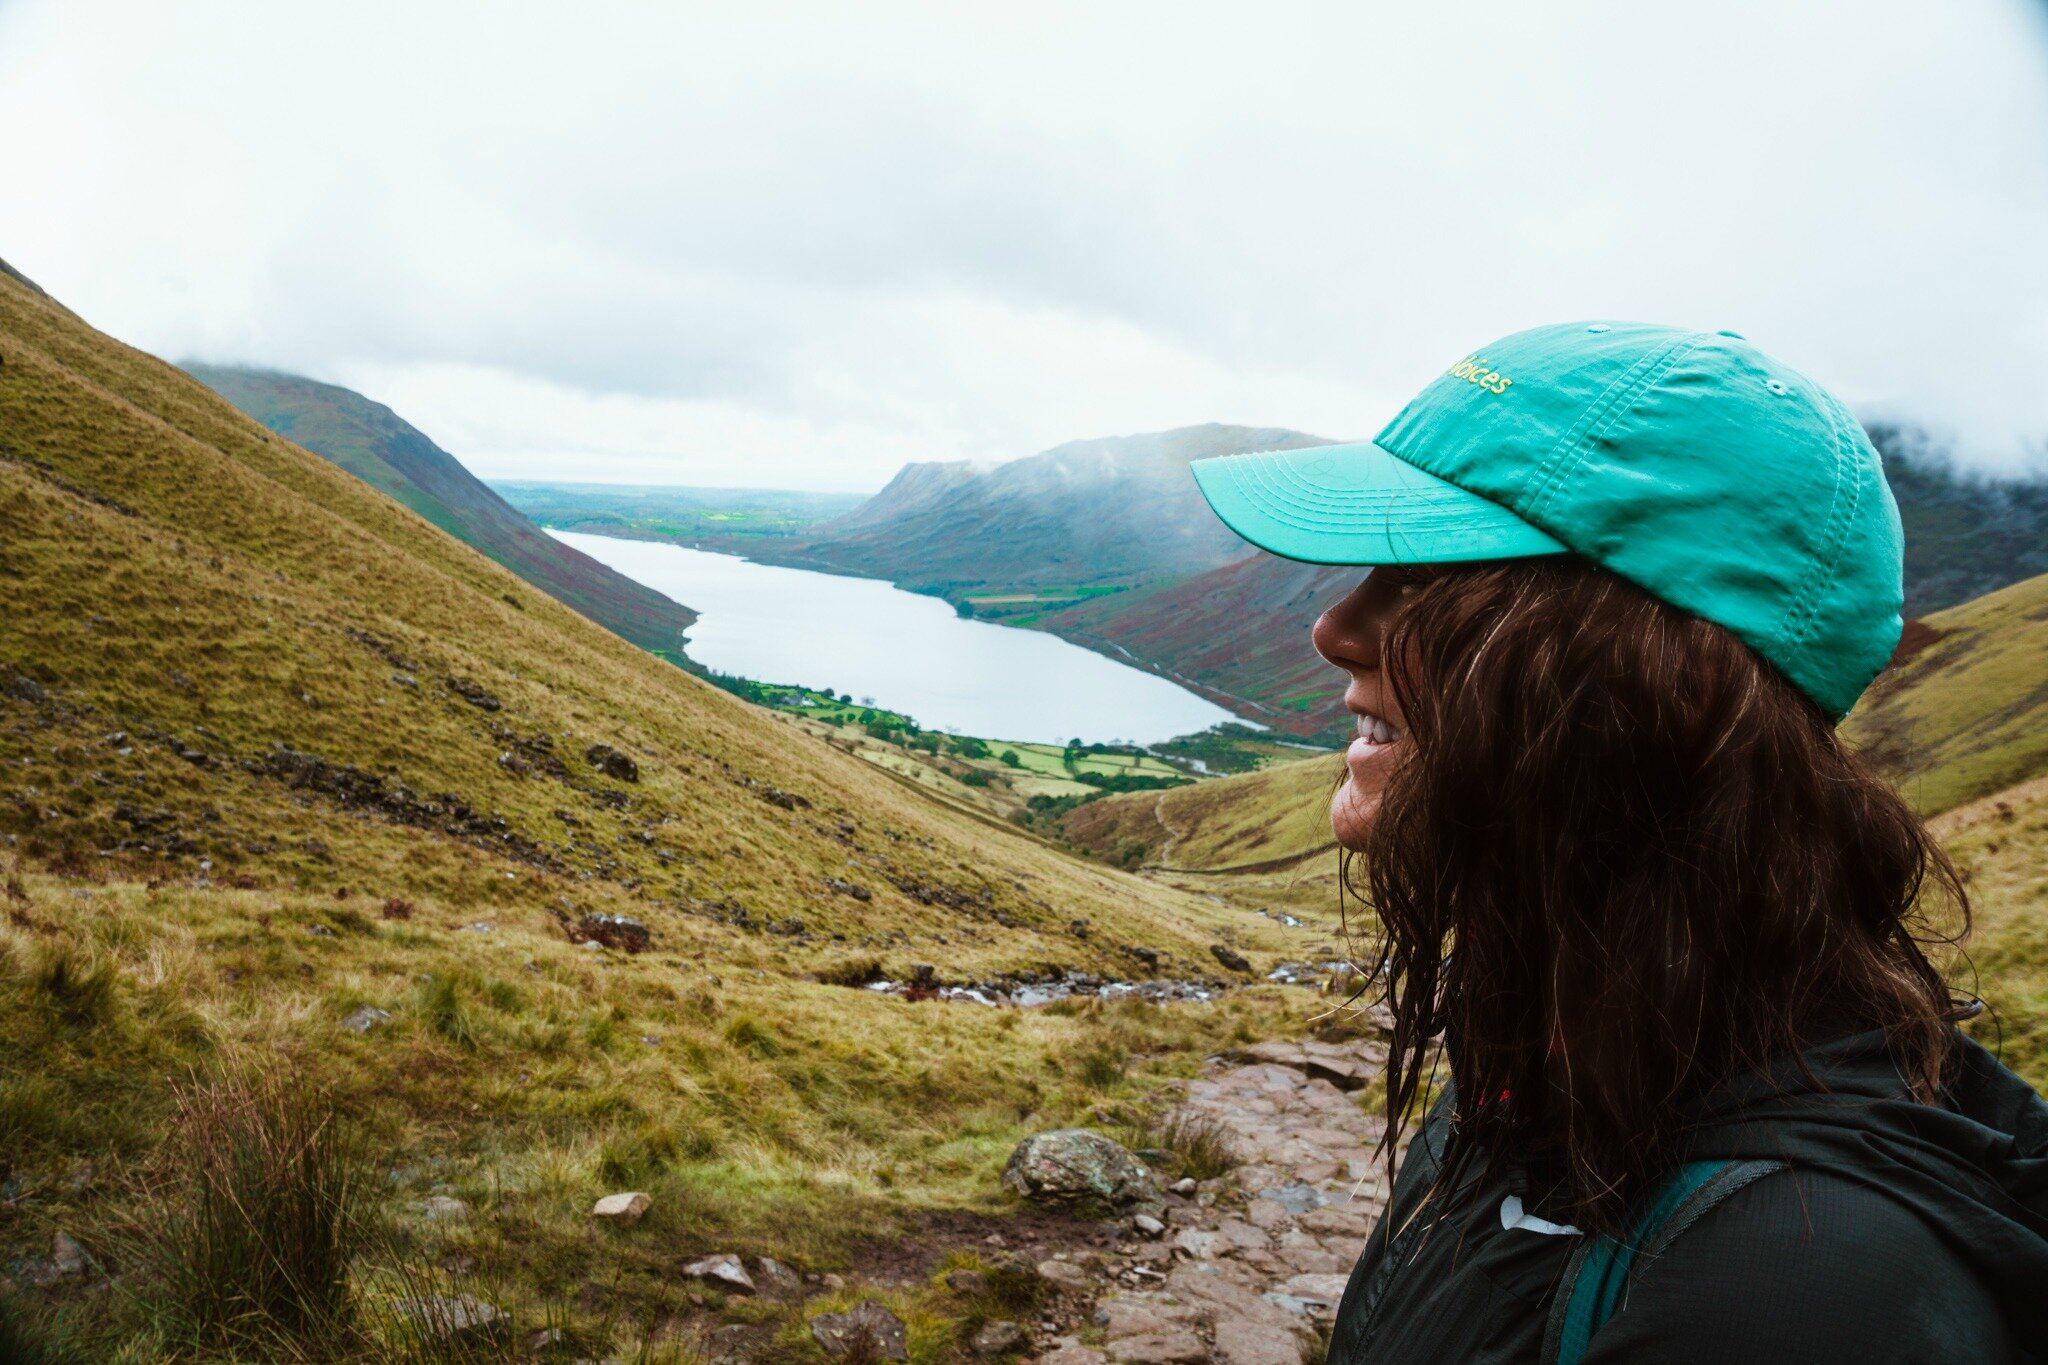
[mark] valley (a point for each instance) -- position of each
(299, 785)
(643, 1016)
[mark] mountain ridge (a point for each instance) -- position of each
(374, 443)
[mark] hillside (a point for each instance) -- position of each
(1239, 635)
(385, 451)
(1965, 714)
(1012, 540)
(295, 779)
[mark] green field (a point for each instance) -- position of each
(683, 515)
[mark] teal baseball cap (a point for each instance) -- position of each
(1690, 463)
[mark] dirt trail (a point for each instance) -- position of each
(1250, 1267)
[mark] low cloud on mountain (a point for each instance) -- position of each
(800, 245)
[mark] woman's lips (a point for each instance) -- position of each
(1374, 737)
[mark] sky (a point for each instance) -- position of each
(767, 245)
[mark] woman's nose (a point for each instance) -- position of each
(1347, 634)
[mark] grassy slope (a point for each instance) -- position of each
(1968, 714)
(377, 446)
(190, 593)
(2001, 845)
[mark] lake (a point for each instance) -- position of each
(910, 653)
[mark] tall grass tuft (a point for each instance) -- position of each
(1200, 1146)
(1101, 1065)
(253, 1251)
(79, 993)
(24, 1341)
(447, 1011)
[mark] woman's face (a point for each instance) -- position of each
(1349, 635)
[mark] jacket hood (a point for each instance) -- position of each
(1973, 1168)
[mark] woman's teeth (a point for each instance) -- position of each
(1376, 731)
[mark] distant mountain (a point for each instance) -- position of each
(1012, 540)
(1966, 534)
(1240, 633)
(391, 455)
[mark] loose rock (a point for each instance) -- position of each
(773, 1277)
(441, 1208)
(1230, 958)
(622, 1210)
(1148, 1225)
(868, 1322)
(612, 763)
(998, 1338)
(612, 931)
(363, 1018)
(1064, 1274)
(723, 1271)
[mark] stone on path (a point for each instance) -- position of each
(1147, 1225)
(1074, 1165)
(1239, 1342)
(997, 1338)
(723, 1271)
(1256, 1260)
(1064, 1274)
(621, 1210)
(1345, 1075)
(884, 1332)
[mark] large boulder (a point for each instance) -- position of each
(1076, 1166)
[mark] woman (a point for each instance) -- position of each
(1646, 928)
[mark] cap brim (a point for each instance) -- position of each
(1359, 504)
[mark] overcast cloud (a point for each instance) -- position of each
(797, 246)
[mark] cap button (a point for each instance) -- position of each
(1724, 332)
(1599, 327)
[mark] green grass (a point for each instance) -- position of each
(1968, 714)
(2001, 844)
(247, 703)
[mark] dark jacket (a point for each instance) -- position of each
(1898, 1232)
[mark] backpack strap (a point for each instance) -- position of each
(1597, 1275)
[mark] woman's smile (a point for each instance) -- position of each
(1350, 635)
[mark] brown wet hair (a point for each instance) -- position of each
(1622, 860)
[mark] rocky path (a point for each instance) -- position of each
(1247, 1269)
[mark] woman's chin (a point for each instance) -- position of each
(1351, 813)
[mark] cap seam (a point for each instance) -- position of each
(1575, 445)
(1802, 616)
